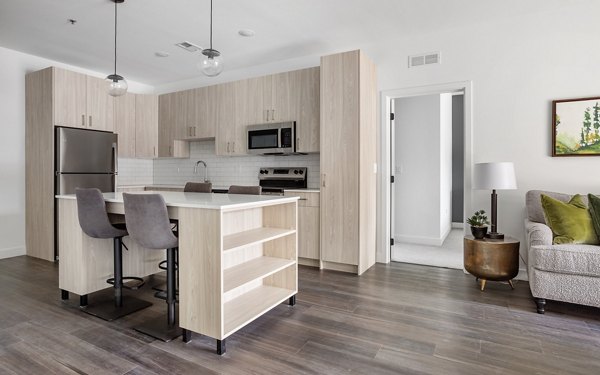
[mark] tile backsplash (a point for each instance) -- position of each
(228, 170)
(135, 172)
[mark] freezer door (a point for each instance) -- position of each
(66, 183)
(85, 151)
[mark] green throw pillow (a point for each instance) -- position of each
(570, 222)
(595, 212)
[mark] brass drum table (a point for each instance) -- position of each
(494, 260)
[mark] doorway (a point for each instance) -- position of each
(428, 179)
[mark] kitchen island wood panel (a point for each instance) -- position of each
(237, 256)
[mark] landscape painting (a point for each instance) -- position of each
(576, 127)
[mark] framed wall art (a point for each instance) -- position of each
(576, 127)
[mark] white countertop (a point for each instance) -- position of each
(202, 200)
(158, 186)
(307, 190)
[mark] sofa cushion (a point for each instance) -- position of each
(533, 201)
(595, 212)
(570, 222)
(572, 259)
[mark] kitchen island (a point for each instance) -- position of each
(237, 256)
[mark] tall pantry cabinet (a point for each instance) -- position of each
(348, 161)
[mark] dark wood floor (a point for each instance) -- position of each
(396, 319)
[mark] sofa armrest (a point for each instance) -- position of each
(537, 234)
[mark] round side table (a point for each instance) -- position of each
(494, 260)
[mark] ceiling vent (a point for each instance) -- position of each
(190, 47)
(424, 59)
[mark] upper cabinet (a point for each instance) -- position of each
(146, 126)
(305, 108)
(223, 99)
(100, 105)
(81, 101)
(125, 124)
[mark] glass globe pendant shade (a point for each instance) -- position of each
(116, 85)
(212, 63)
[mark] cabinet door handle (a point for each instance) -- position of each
(227, 147)
(272, 115)
(82, 120)
(171, 153)
(302, 199)
(323, 180)
(90, 123)
(267, 114)
(154, 150)
(233, 147)
(297, 144)
(194, 131)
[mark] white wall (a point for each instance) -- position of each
(14, 66)
(517, 67)
(423, 163)
(224, 171)
(445, 165)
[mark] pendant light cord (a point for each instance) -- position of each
(115, 38)
(211, 11)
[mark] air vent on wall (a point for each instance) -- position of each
(424, 59)
(190, 47)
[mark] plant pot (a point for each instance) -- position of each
(479, 232)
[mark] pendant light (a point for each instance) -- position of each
(116, 84)
(212, 63)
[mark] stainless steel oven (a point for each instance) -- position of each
(275, 180)
(272, 139)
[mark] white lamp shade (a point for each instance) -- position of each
(494, 176)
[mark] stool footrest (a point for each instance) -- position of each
(140, 282)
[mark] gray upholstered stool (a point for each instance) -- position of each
(94, 222)
(250, 190)
(198, 187)
(148, 224)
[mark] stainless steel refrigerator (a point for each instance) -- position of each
(85, 158)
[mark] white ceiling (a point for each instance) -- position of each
(285, 29)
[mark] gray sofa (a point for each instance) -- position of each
(568, 273)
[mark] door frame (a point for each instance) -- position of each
(384, 218)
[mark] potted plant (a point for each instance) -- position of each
(479, 224)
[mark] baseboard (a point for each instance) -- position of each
(12, 252)
(418, 240)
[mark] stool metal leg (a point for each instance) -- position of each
(83, 302)
(118, 259)
(115, 308)
(64, 294)
(221, 347)
(159, 328)
(171, 287)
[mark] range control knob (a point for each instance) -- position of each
(295, 171)
(266, 171)
(301, 171)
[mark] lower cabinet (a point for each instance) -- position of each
(309, 249)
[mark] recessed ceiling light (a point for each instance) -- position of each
(161, 54)
(246, 32)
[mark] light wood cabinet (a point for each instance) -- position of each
(146, 126)
(227, 140)
(348, 157)
(100, 106)
(169, 137)
(81, 101)
(309, 248)
(69, 98)
(125, 124)
(305, 108)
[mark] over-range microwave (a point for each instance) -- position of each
(272, 139)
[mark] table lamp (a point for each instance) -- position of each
(494, 176)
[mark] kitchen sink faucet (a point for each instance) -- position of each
(205, 169)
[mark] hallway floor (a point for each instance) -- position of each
(449, 255)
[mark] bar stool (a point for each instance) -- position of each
(250, 190)
(148, 224)
(198, 187)
(94, 222)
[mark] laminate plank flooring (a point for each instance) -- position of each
(395, 319)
